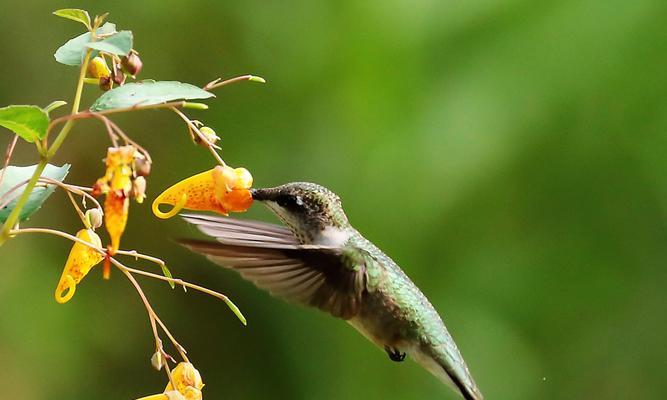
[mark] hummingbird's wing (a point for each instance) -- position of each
(268, 255)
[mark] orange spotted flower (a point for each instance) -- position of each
(80, 261)
(221, 189)
(188, 384)
(119, 183)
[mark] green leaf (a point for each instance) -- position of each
(167, 273)
(119, 44)
(29, 122)
(148, 93)
(75, 15)
(16, 175)
(74, 51)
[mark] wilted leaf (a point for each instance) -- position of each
(29, 122)
(75, 14)
(74, 51)
(119, 44)
(147, 93)
(16, 175)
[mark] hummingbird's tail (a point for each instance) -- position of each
(449, 367)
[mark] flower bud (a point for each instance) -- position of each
(117, 74)
(157, 361)
(131, 63)
(97, 68)
(94, 217)
(142, 167)
(209, 134)
(139, 189)
(106, 83)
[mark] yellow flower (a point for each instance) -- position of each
(80, 261)
(188, 384)
(119, 183)
(221, 189)
(98, 68)
(185, 375)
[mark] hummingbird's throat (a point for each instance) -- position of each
(316, 233)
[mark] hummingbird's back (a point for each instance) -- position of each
(397, 315)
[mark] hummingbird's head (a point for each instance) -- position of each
(310, 210)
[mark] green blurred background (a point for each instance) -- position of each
(510, 155)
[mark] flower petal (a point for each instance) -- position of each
(80, 261)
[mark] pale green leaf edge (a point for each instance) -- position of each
(26, 132)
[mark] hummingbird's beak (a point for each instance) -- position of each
(259, 194)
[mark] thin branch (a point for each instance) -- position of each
(219, 82)
(203, 138)
(58, 233)
(136, 107)
(181, 282)
(8, 156)
(152, 317)
(78, 210)
(135, 254)
(112, 136)
(152, 314)
(127, 139)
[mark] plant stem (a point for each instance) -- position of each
(8, 156)
(13, 217)
(203, 138)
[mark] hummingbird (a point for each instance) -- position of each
(318, 259)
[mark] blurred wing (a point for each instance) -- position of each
(268, 255)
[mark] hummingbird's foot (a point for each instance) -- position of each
(394, 354)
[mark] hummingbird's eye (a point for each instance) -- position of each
(289, 201)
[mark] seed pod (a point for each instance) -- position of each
(132, 63)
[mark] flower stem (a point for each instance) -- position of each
(13, 217)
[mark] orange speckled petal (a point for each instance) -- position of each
(116, 208)
(79, 262)
(238, 200)
(197, 192)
